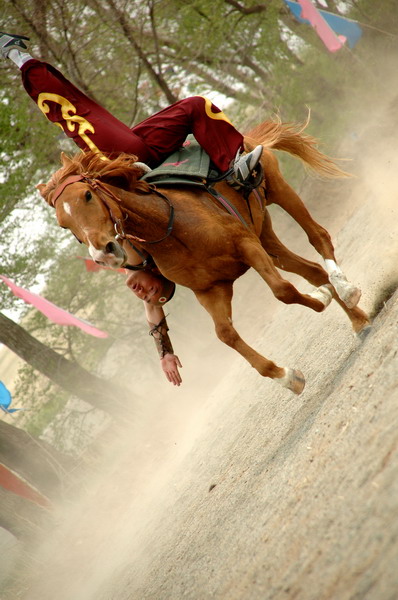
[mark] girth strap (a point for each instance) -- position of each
(227, 205)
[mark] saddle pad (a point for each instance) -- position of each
(188, 165)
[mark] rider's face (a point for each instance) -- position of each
(146, 285)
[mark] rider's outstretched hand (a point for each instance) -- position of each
(170, 364)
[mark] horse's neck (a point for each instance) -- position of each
(145, 212)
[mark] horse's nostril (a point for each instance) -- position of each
(110, 248)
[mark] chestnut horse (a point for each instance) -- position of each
(196, 243)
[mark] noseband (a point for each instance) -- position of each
(104, 193)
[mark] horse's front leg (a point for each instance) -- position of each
(282, 194)
(217, 302)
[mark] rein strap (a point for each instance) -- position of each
(58, 190)
(96, 184)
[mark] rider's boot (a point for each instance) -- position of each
(9, 41)
(244, 169)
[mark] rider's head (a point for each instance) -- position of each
(151, 287)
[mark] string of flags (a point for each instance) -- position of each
(93, 267)
(52, 311)
(334, 30)
(6, 399)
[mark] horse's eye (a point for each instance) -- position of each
(88, 195)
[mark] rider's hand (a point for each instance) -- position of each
(170, 364)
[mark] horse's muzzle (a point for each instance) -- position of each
(112, 255)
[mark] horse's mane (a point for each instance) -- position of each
(123, 172)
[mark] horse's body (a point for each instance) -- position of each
(205, 248)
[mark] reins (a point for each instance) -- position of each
(103, 192)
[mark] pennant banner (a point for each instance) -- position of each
(13, 482)
(51, 311)
(305, 12)
(93, 267)
(5, 400)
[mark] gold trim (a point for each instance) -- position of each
(219, 116)
(68, 112)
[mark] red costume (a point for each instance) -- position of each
(153, 140)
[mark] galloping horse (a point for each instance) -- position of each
(196, 243)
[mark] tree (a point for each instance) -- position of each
(21, 517)
(42, 467)
(38, 462)
(98, 392)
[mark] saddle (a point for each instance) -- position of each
(189, 165)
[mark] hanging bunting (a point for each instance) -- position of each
(5, 400)
(345, 29)
(51, 311)
(93, 267)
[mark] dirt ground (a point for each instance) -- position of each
(231, 487)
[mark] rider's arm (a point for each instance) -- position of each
(159, 330)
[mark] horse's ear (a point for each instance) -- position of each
(66, 161)
(42, 187)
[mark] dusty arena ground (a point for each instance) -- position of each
(235, 489)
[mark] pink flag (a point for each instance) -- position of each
(332, 41)
(92, 267)
(13, 482)
(51, 311)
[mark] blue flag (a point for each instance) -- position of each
(5, 399)
(340, 25)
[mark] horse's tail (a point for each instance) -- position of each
(290, 138)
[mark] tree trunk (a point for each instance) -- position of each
(21, 517)
(35, 460)
(70, 376)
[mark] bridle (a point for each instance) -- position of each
(104, 193)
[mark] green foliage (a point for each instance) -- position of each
(41, 414)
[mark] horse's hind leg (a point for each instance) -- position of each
(253, 254)
(217, 302)
(279, 192)
(286, 260)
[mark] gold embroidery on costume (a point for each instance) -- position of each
(214, 115)
(68, 112)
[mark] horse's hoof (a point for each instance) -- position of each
(363, 334)
(346, 291)
(292, 380)
(323, 294)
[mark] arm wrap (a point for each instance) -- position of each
(161, 337)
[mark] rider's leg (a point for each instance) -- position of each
(89, 125)
(10, 42)
(92, 127)
(167, 130)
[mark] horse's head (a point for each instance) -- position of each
(77, 193)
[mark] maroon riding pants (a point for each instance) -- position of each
(152, 141)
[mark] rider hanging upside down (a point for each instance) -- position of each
(93, 128)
